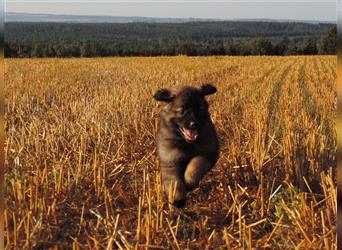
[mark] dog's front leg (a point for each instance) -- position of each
(173, 185)
(195, 171)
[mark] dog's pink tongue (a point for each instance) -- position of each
(190, 135)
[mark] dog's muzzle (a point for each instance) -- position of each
(190, 135)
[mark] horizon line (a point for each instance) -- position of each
(205, 18)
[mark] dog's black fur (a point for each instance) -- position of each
(187, 142)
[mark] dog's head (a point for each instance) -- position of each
(187, 109)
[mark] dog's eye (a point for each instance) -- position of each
(181, 111)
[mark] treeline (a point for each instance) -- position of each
(156, 39)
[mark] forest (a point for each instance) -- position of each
(31, 39)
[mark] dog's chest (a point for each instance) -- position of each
(182, 152)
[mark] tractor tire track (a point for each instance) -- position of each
(318, 117)
(309, 104)
(273, 101)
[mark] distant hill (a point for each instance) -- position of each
(60, 39)
(28, 17)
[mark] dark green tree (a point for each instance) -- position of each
(330, 42)
(263, 46)
(310, 47)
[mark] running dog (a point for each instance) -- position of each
(186, 139)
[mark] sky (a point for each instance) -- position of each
(323, 10)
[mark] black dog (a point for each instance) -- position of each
(187, 143)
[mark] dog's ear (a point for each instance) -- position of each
(207, 89)
(163, 95)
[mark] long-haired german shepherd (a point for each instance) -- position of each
(187, 143)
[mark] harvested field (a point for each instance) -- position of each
(81, 168)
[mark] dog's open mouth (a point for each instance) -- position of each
(190, 135)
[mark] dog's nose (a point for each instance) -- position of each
(193, 125)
